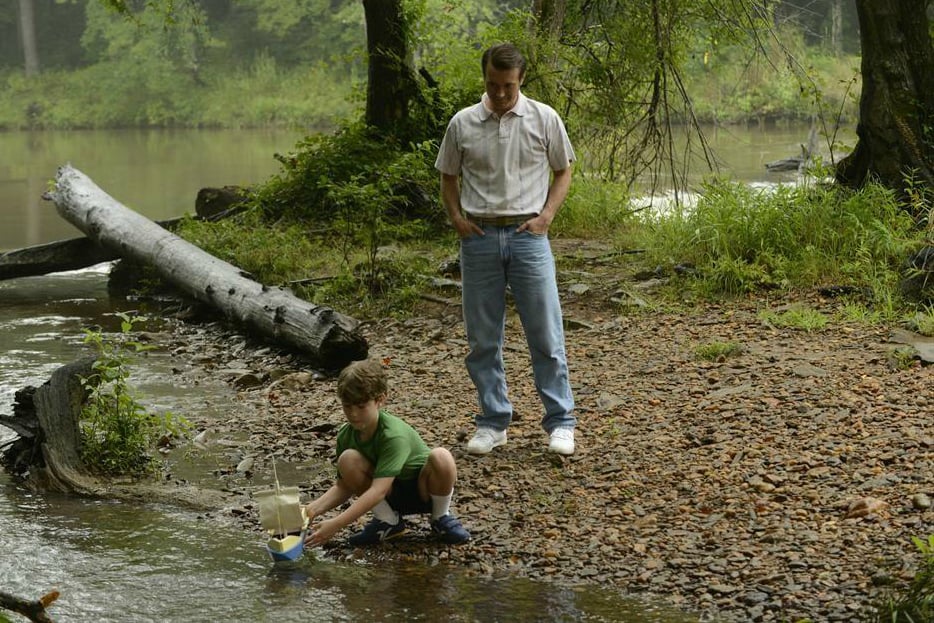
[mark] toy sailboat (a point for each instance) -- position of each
(284, 520)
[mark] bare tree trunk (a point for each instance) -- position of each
(27, 26)
(328, 337)
(836, 27)
(896, 106)
(58, 406)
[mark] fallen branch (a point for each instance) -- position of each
(33, 610)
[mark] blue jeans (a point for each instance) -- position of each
(524, 262)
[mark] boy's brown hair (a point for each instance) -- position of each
(362, 381)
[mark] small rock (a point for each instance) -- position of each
(246, 381)
(864, 507)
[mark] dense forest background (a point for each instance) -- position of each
(623, 75)
(79, 63)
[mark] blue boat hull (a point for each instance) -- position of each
(286, 548)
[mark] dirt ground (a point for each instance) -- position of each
(779, 483)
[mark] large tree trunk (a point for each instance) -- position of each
(326, 336)
(896, 107)
(390, 82)
(27, 27)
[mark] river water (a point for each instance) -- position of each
(115, 561)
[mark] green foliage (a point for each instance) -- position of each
(717, 351)
(784, 79)
(914, 603)
(342, 175)
(594, 208)
(117, 433)
(274, 254)
(364, 267)
(923, 321)
(739, 238)
(163, 66)
(153, 92)
(796, 317)
(388, 285)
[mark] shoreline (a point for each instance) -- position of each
(732, 489)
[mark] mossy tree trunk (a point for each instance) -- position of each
(895, 134)
(391, 84)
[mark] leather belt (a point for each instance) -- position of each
(499, 221)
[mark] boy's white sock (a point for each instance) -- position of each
(384, 512)
(441, 505)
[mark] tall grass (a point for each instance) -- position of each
(741, 238)
(594, 208)
(913, 603)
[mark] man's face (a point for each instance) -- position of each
(502, 87)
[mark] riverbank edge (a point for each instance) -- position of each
(724, 488)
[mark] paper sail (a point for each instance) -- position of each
(280, 512)
(284, 519)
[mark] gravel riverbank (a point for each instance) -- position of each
(782, 482)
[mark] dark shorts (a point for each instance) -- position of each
(405, 500)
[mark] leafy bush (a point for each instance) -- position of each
(914, 603)
(117, 433)
(354, 176)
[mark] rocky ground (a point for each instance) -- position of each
(781, 482)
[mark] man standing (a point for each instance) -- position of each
(505, 166)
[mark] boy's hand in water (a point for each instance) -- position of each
(321, 533)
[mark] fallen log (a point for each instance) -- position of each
(77, 253)
(53, 257)
(328, 337)
(797, 163)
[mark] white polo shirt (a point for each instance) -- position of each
(505, 163)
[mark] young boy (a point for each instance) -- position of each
(385, 464)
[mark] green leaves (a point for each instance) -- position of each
(117, 433)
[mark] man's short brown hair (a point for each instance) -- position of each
(504, 56)
(362, 381)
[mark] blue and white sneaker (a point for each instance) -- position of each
(449, 529)
(376, 531)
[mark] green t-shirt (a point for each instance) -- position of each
(395, 449)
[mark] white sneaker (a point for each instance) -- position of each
(562, 440)
(485, 439)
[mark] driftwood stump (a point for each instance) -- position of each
(47, 454)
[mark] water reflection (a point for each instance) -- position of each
(155, 172)
(114, 561)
